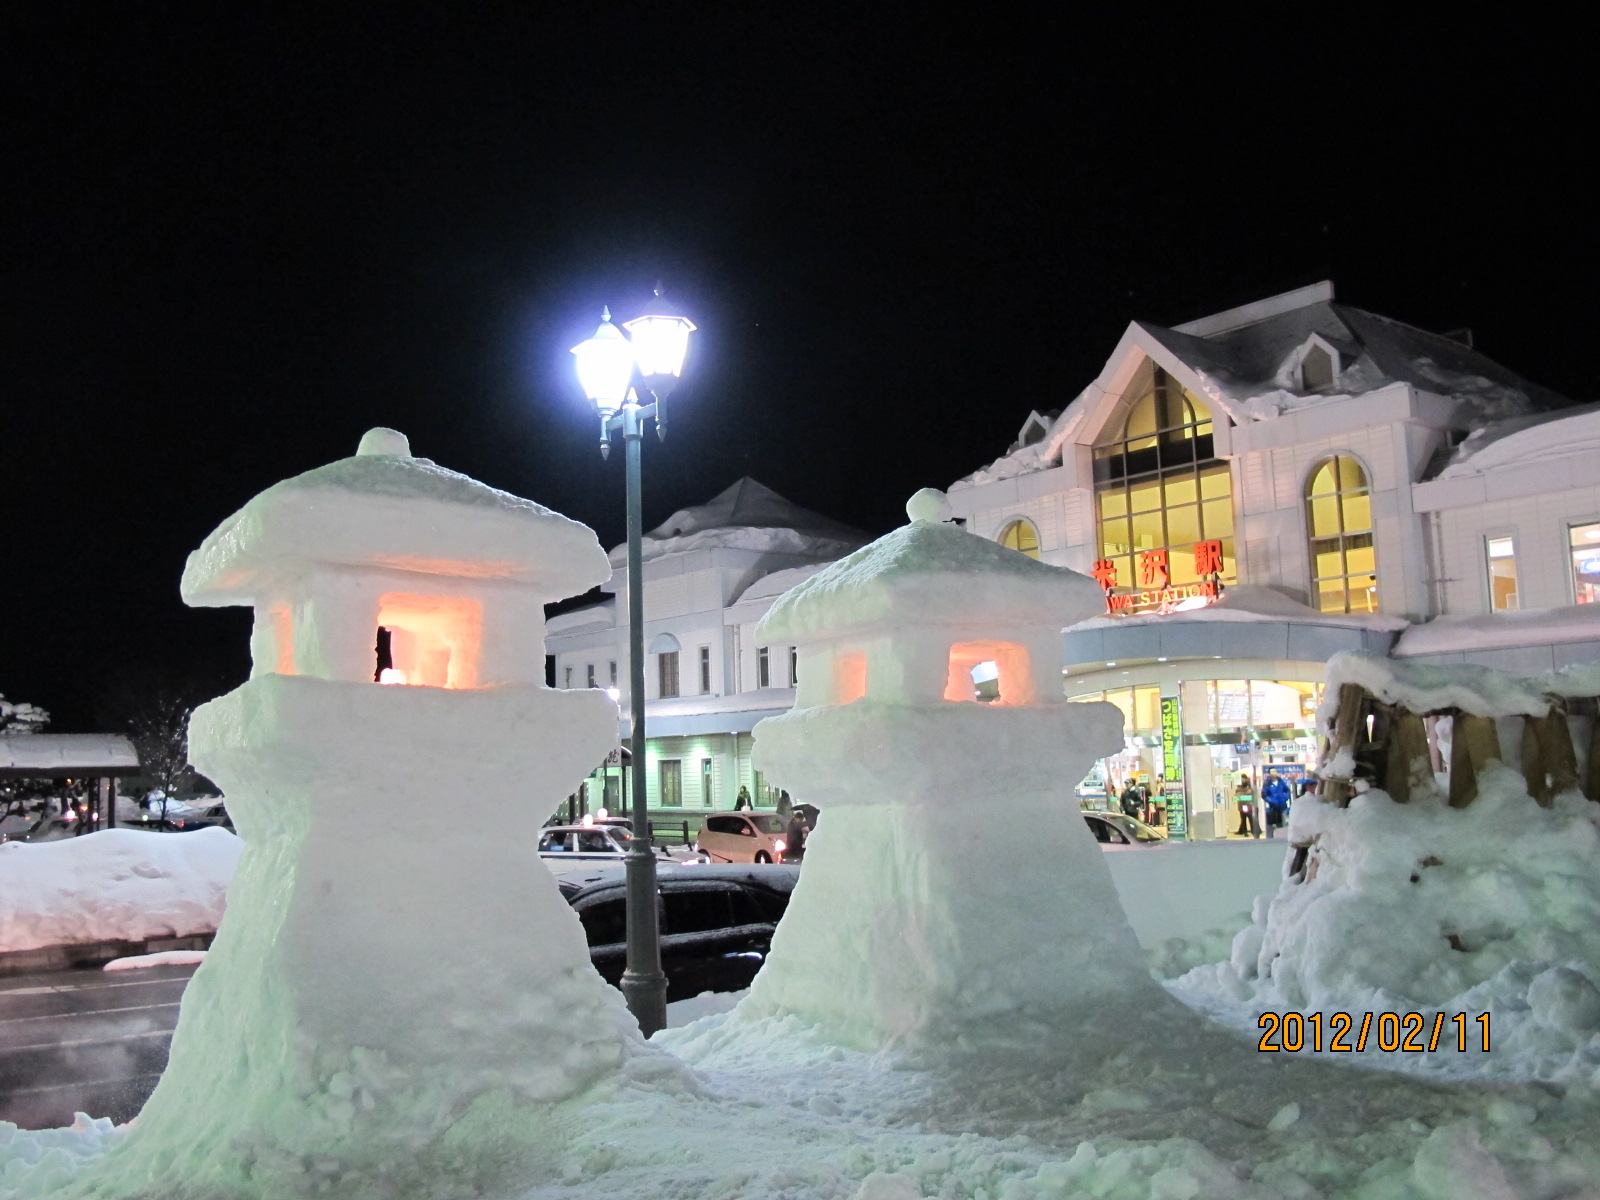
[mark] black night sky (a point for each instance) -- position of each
(236, 237)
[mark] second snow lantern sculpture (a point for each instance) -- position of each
(398, 993)
(952, 896)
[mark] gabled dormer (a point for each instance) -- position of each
(1313, 366)
(1035, 429)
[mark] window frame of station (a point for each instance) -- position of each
(1307, 499)
(1489, 560)
(676, 775)
(1213, 724)
(1017, 533)
(707, 782)
(763, 666)
(667, 673)
(705, 670)
(1572, 527)
(1211, 505)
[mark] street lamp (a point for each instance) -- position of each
(613, 371)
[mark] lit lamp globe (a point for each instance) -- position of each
(605, 367)
(660, 343)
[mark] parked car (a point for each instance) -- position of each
(716, 922)
(1116, 831)
(742, 837)
(580, 843)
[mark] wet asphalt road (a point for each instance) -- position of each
(84, 1041)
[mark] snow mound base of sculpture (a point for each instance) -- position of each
(1420, 907)
(393, 1006)
(953, 900)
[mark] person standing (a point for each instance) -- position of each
(743, 803)
(1245, 797)
(1275, 793)
(1129, 800)
(794, 837)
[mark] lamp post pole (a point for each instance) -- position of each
(608, 367)
(644, 983)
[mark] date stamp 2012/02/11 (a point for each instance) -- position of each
(1408, 1033)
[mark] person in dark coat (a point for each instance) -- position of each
(794, 837)
(1130, 800)
(742, 803)
(1245, 798)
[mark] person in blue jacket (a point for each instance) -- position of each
(1275, 794)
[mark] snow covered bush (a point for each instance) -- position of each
(1488, 907)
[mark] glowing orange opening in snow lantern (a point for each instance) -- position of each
(283, 638)
(1014, 680)
(849, 677)
(433, 640)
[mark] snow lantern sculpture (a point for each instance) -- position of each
(952, 895)
(398, 991)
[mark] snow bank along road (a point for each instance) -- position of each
(89, 1041)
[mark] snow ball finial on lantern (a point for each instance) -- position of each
(383, 441)
(929, 506)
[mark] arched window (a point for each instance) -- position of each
(1020, 535)
(1160, 487)
(1344, 562)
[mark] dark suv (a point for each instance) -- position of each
(716, 922)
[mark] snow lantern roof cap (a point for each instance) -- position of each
(930, 573)
(383, 508)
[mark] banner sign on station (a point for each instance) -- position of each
(1172, 769)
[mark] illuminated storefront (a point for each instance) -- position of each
(1225, 728)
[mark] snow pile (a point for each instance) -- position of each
(1491, 908)
(114, 885)
(166, 958)
(38, 1164)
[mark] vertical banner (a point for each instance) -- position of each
(1172, 769)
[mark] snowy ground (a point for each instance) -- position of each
(1175, 1112)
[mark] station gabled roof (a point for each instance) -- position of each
(384, 508)
(748, 516)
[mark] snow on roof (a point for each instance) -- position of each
(1536, 627)
(66, 753)
(748, 516)
(928, 573)
(1243, 363)
(384, 508)
(1424, 687)
(1252, 602)
(1243, 367)
(778, 582)
(1526, 439)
